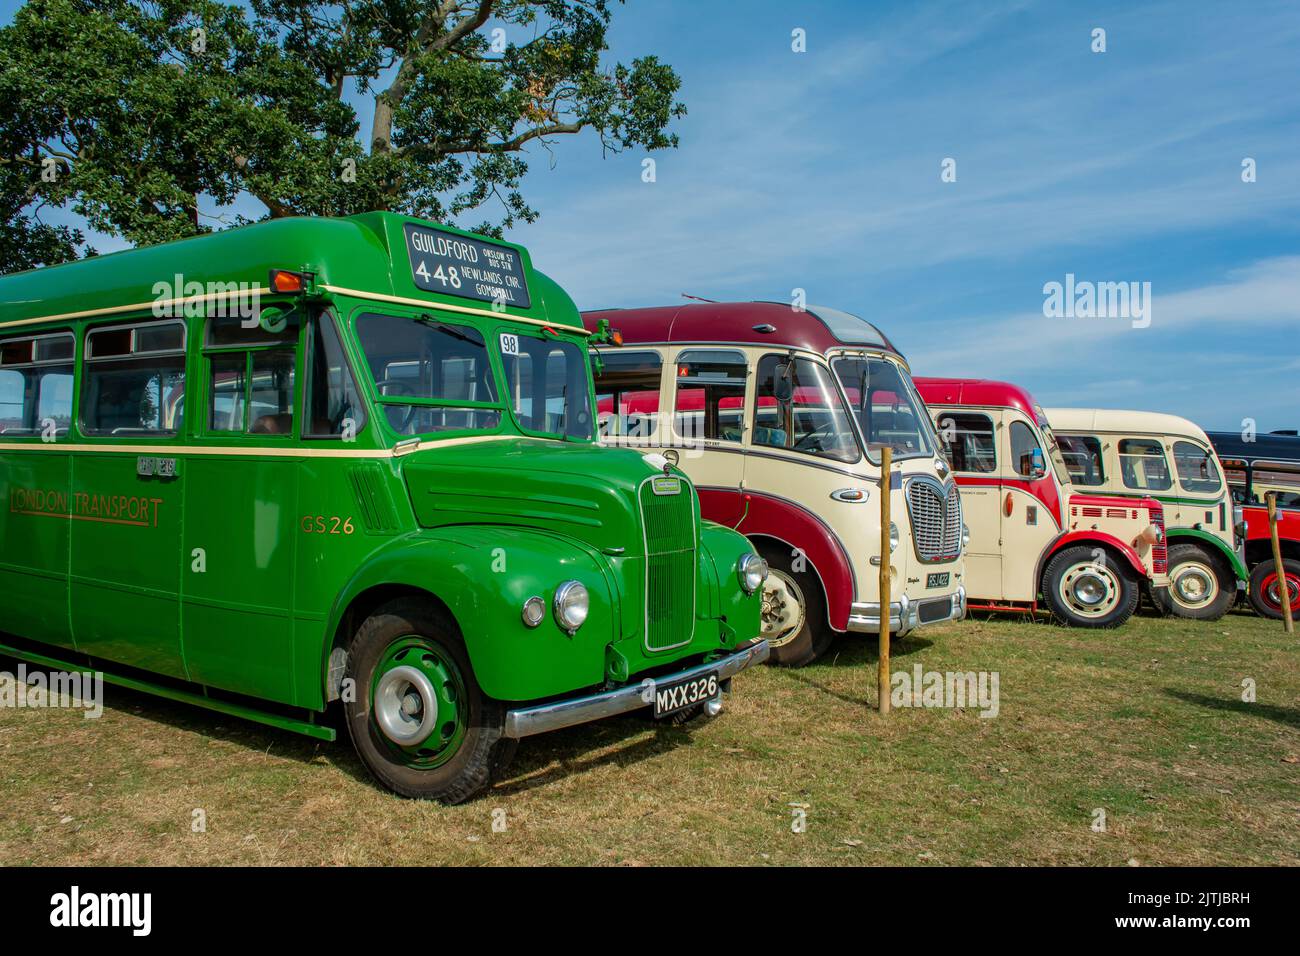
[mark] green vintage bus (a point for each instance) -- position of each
(349, 459)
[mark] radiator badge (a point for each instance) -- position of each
(667, 486)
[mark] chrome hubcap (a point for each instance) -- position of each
(406, 708)
(1274, 592)
(1195, 584)
(782, 609)
(1090, 590)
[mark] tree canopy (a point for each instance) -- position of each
(127, 112)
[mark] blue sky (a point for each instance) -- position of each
(821, 171)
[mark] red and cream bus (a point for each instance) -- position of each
(1266, 464)
(1032, 536)
(777, 415)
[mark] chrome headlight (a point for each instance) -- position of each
(752, 571)
(965, 537)
(893, 537)
(572, 602)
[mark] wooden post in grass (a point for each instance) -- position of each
(882, 672)
(1283, 590)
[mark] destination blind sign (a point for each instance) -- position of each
(469, 268)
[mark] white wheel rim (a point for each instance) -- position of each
(1195, 585)
(1089, 590)
(783, 608)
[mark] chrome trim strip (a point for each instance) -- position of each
(542, 718)
(904, 614)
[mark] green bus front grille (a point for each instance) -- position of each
(669, 523)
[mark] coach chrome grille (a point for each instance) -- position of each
(668, 523)
(935, 511)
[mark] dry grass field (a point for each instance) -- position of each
(1146, 723)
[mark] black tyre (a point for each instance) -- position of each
(1202, 586)
(1265, 596)
(1084, 587)
(417, 717)
(794, 611)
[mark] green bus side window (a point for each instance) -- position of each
(36, 377)
(134, 379)
(334, 406)
(252, 392)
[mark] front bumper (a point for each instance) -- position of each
(906, 615)
(540, 718)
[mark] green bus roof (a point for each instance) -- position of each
(364, 253)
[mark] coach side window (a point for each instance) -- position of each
(36, 377)
(134, 379)
(1143, 466)
(1082, 454)
(710, 401)
(627, 393)
(1196, 469)
(968, 441)
(334, 408)
(251, 364)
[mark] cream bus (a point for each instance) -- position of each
(1150, 455)
(777, 415)
(1032, 533)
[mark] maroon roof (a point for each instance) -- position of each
(975, 391)
(816, 328)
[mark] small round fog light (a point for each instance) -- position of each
(534, 610)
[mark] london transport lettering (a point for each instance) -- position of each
(106, 509)
(468, 268)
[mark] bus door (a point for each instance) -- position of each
(1201, 496)
(802, 443)
(241, 507)
(125, 502)
(36, 379)
(971, 442)
(708, 426)
(1029, 500)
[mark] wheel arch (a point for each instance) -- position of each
(791, 524)
(1123, 553)
(772, 541)
(366, 602)
(1186, 535)
(448, 570)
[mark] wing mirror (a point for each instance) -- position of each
(1037, 463)
(783, 387)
